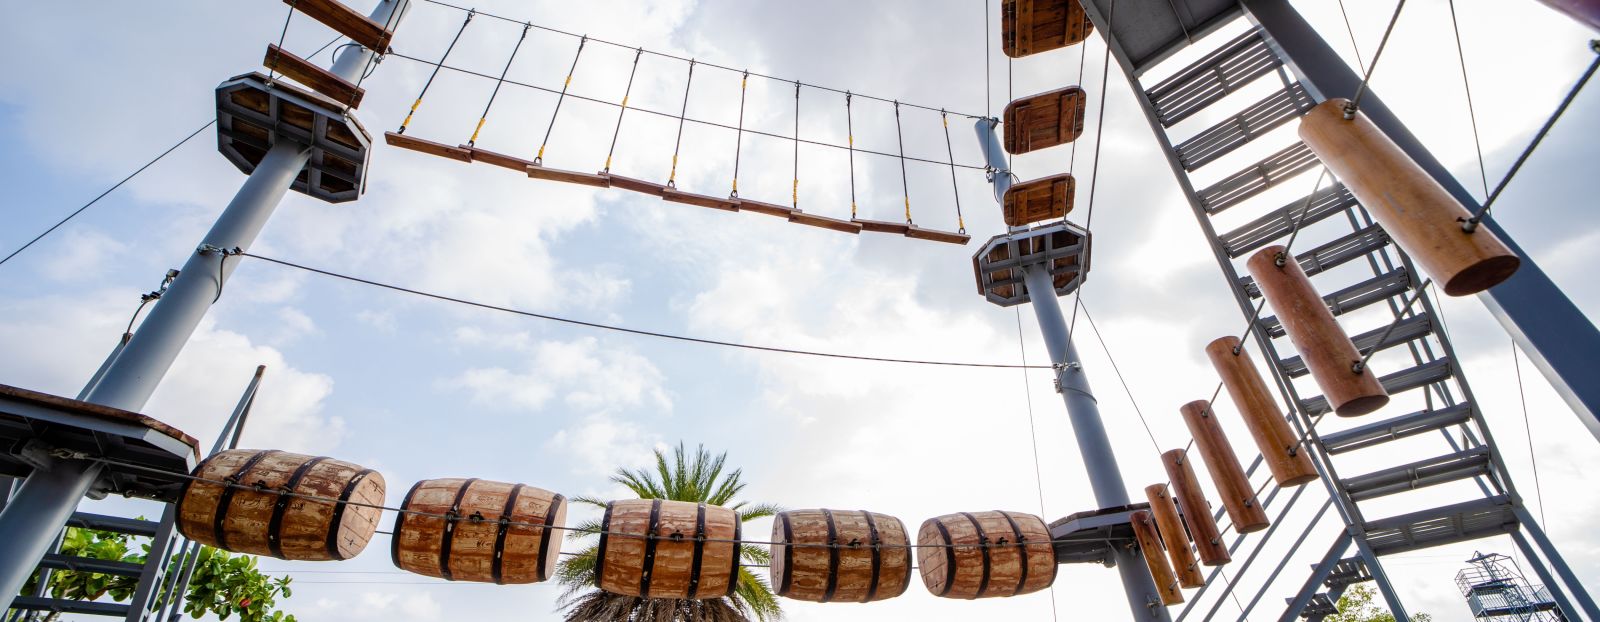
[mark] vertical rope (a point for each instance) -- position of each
(435, 73)
(850, 146)
(625, 92)
(905, 188)
(272, 73)
(794, 195)
(539, 158)
(1527, 425)
(672, 177)
(485, 117)
(738, 142)
(1361, 89)
(961, 223)
(1472, 113)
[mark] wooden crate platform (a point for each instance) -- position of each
(1034, 26)
(1044, 120)
(320, 80)
(596, 180)
(427, 146)
(346, 21)
(824, 222)
(32, 422)
(1045, 198)
(689, 198)
(882, 226)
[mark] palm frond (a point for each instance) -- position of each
(758, 596)
(760, 510)
(585, 529)
(591, 501)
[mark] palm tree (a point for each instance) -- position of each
(686, 478)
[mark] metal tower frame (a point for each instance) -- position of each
(1279, 42)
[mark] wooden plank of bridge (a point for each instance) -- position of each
(572, 177)
(427, 146)
(934, 235)
(1046, 198)
(313, 76)
(831, 224)
(1044, 120)
(689, 198)
(346, 21)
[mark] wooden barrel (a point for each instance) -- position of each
(1322, 343)
(478, 530)
(1423, 217)
(1226, 472)
(1144, 532)
(668, 549)
(1173, 536)
(1196, 513)
(839, 555)
(1289, 462)
(253, 516)
(983, 554)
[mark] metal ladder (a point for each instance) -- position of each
(1468, 451)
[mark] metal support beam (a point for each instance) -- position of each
(1556, 336)
(49, 495)
(1318, 573)
(1548, 549)
(1556, 593)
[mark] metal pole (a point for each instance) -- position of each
(1556, 336)
(1082, 410)
(51, 493)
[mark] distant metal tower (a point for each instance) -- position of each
(1496, 590)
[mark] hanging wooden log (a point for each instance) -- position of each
(839, 556)
(1046, 198)
(407, 141)
(983, 554)
(254, 516)
(1226, 473)
(1290, 464)
(1423, 217)
(668, 549)
(478, 530)
(1144, 531)
(1196, 513)
(1173, 536)
(310, 74)
(1044, 120)
(1587, 12)
(1326, 349)
(1034, 26)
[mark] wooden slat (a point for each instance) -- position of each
(313, 76)
(1034, 26)
(701, 200)
(572, 177)
(1045, 198)
(770, 209)
(629, 183)
(346, 21)
(882, 226)
(498, 159)
(832, 224)
(934, 235)
(427, 146)
(1044, 120)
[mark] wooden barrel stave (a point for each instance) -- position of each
(872, 561)
(973, 554)
(652, 548)
(476, 546)
(306, 525)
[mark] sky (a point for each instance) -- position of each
(422, 389)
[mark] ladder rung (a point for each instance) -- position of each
(1331, 255)
(1262, 231)
(1458, 522)
(1354, 297)
(62, 605)
(1413, 327)
(318, 79)
(1420, 474)
(1381, 432)
(346, 21)
(57, 561)
(116, 524)
(1398, 382)
(1212, 78)
(1236, 131)
(1257, 178)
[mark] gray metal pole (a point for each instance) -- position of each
(1556, 336)
(1105, 478)
(51, 493)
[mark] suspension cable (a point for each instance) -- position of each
(624, 108)
(1466, 87)
(905, 188)
(1361, 89)
(539, 158)
(850, 142)
(435, 73)
(497, 83)
(794, 195)
(961, 223)
(738, 141)
(672, 177)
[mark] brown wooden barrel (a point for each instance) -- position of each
(478, 530)
(1323, 344)
(1290, 463)
(977, 554)
(255, 517)
(839, 555)
(1414, 209)
(668, 549)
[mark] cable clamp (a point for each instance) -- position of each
(1074, 366)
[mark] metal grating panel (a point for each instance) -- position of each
(1260, 118)
(1257, 178)
(1398, 382)
(1453, 523)
(1262, 231)
(1331, 255)
(1212, 78)
(1421, 474)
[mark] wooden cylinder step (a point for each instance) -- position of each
(1323, 344)
(1144, 531)
(1174, 536)
(1416, 211)
(839, 556)
(655, 548)
(479, 530)
(1196, 512)
(985, 554)
(252, 515)
(1280, 449)
(1238, 498)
